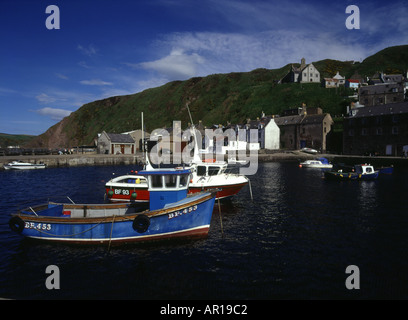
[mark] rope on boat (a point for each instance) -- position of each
(219, 211)
(250, 189)
(33, 211)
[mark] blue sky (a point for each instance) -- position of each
(116, 47)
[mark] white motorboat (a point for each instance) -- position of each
(20, 165)
(321, 163)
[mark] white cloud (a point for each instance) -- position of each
(61, 76)
(53, 113)
(96, 82)
(45, 98)
(178, 65)
(273, 34)
(88, 51)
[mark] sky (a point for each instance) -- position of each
(106, 48)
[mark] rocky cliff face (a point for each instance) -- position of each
(53, 138)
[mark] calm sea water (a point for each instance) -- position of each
(293, 241)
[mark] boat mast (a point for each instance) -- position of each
(196, 157)
(148, 166)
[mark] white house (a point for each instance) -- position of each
(335, 82)
(303, 74)
(272, 135)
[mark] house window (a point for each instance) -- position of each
(351, 132)
(395, 118)
(364, 132)
(394, 130)
(379, 131)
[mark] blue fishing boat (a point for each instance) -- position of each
(172, 214)
(359, 172)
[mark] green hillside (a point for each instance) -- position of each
(218, 98)
(14, 139)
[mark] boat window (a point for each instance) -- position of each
(183, 180)
(201, 170)
(368, 169)
(213, 171)
(156, 181)
(170, 180)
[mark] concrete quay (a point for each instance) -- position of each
(74, 160)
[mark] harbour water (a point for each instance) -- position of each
(293, 241)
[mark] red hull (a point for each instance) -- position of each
(225, 192)
(143, 194)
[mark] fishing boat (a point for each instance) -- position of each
(171, 214)
(205, 176)
(359, 172)
(20, 165)
(321, 163)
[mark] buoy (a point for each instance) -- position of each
(110, 193)
(134, 195)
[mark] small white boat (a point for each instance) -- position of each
(321, 163)
(309, 150)
(20, 165)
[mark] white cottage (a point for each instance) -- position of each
(272, 135)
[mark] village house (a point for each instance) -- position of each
(115, 143)
(138, 137)
(382, 89)
(378, 94)
(303, 74)
(334, 82)
(376, 130)
(268, 133)
(352, 84)
(304, 127)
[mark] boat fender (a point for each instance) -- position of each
(141, 223)
(16, 224)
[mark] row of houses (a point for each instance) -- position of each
(308, 73)
(370, 130)
(294, 129)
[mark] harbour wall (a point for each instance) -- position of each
(74, 160)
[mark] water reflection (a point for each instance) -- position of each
(368, 195)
